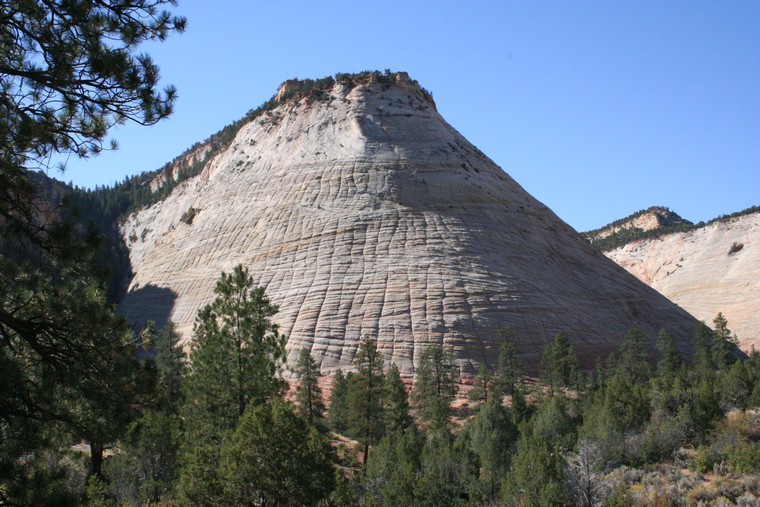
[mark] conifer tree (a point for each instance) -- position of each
(436, 385)
(724, 343)
(236, 355)
(670, 360)
(483, 385)
(338, 412)
(633, 362)
(559, 363)
(365, 396)
(309, 394)
(275, 458)
(395, 402)
(171, 365)
(510, 370)
(235, 361)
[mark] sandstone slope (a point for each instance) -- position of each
(362, 212)
(715, 268)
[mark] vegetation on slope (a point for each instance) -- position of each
(218, 428)
(621, 232)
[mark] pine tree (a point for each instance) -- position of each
(338, 413)
(235, 361)
(275, 458)
(436, 385)
(309, 394)
(365, 396)
(559, 363)
(633, 362)
(703, 356)
(510, 370)
(395, 402)
(236, 354)
(670, 360)
(483, 385)
(724, 344)
(170, 368)
(491, 435)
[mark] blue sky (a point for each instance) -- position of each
(598, 109)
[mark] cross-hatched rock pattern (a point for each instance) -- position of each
(715, 268)
(362, 212)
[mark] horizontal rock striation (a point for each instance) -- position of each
(362, 212)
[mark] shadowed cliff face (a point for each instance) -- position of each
(364, 213)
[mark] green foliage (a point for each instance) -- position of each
(235, 360)
(188, 216)
(338, 412)
(510, 370)
(670, 360)
(559, 363)
(147, 467)
(633, 363)
(483, 385)
(308, 393)
(70, 71)
(724, 344)
(395, 402)
(392, 469)
(436, 385)
(491, 436)
(365, 396)
(171, 367)
(448, 471)
(275, 458)
(235, 356)
(536, 474)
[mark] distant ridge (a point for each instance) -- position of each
(649, 223)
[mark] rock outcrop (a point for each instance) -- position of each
(715, 268)
(362, 212)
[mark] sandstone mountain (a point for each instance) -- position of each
(708, 269)
(362, 212)
(650, 222)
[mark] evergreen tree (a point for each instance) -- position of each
(235, 359)
(395, 402)
(436, 385)
(170, 369)
(491, 435)
(338, 412)
(365, 396)
(724, 343)
(448, 471)
(275, 458)
(633, 362)
(235, 356)
(309, 394)
(510, 370)
(703, 356)
(670, 360)
(393, 469)
(483, 385)
(559, 363)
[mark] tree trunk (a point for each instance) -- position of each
(96, 459)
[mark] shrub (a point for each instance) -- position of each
(188, 216)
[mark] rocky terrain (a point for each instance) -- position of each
(362, 212)
(706, 270)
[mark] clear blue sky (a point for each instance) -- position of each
(598, 109)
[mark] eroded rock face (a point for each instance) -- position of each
(364, 213)
(712, 269)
